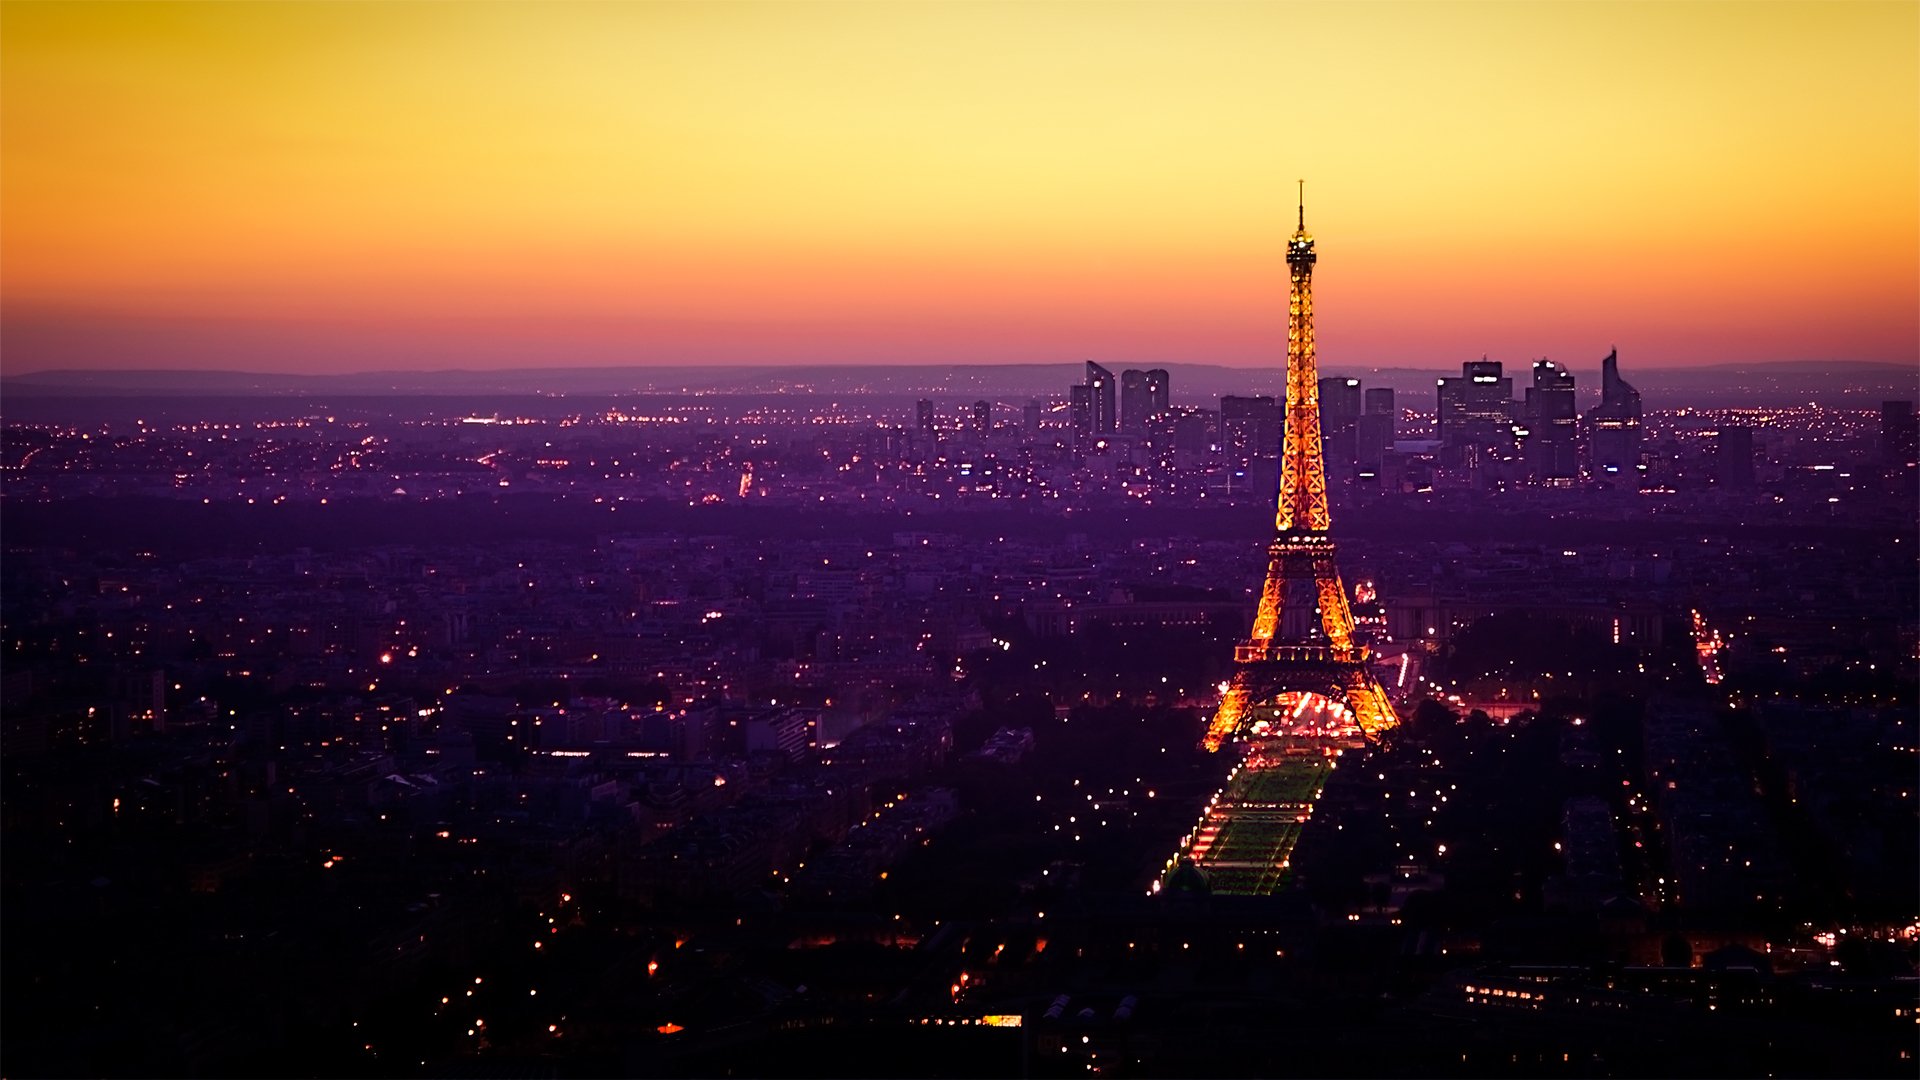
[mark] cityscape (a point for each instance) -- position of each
(1354, 706)
(901, 701)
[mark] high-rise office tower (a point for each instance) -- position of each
(1552, 425)
(1133, 400)
(1080, 410)
(1377, 427)
(1143, 396)
(923, 412)
(1733, 457)
(1613, 426)
(1339, 418)
(1899, 435)
(1476, 409)
(1030, 416)
(1250, 442)
(982, 418)
(1101, 393)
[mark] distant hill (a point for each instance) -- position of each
(1834, 382)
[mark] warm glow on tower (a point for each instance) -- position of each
(1303, 473)
(1322, 655)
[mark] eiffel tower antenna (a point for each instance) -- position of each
(1303, 206)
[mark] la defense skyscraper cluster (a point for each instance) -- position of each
(1103, 405)
(1543, 437)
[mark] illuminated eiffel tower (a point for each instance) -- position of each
(1302, 639)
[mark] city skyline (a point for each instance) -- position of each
(326, 189)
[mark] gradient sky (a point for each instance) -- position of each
(354, 186)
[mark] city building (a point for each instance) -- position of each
(1476, 409)
(1340, 402)
(1613, 426)
(1250, 442)
(1552, 422)
(1102, 418)
(1733, 457)
(923, 413)
(982, 419)
(1080, 410)
(1899, 437)
(1377, 427)
(1143, 395)
(1193, 431)
(790, 732)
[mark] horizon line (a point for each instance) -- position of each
(875, 365)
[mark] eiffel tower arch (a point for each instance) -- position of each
(1302, 640)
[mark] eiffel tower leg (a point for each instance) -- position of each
(1232, 707)
(1336, 618)
(1266, 622)
(1368, 700)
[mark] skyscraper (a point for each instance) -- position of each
(1339, 418)
(1552, 425)
(982, 418)
(1476, 409)
(1250, 442)
(1377, 428)
(923, 413)
(1143, 395)
(1100, 400)
(1613, 426)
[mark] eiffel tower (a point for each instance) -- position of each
(1302, 638)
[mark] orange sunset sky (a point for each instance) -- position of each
(355, 186)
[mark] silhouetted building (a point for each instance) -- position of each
(1476, 409)
(1101, 393)
(790, 732)
(1613, 426)
(1250, 442)
(1080, 410)
(1339, 418)
(1030, 416)
(1733, 457)
(1192, 430)
(1143, 395)
(1899, 438)
(1377, 427)
(1552, 425)
(924, 415)
(982, 418)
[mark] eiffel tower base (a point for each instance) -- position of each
(1257, 689)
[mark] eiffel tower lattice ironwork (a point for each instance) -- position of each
(1302, 638)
